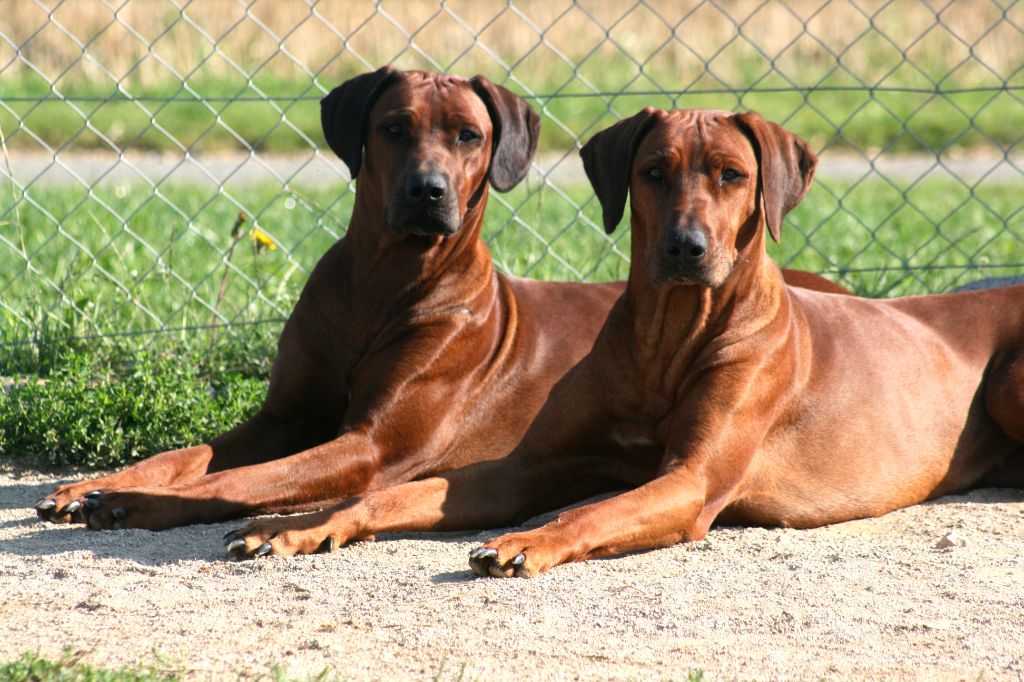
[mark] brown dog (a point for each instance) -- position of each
(717, 390)
(407, 354)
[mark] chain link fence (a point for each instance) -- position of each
(163, 169)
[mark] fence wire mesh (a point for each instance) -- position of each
(164, 170)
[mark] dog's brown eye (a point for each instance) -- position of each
(393, 130)
(655, 174)
(467, 136)
(730, 175)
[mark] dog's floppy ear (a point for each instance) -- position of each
(516, 131)
(608, 162)
(345, 111)
(785, 168)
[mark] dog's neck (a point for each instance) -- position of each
(674, 325)
(402, 265)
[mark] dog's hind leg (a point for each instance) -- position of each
(1004, 392)
(1004, 402)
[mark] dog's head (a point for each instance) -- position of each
(703, 185)
(429, 143)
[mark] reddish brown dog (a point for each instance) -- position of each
(718, 391)
(407, 354)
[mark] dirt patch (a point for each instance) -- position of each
(871, 598)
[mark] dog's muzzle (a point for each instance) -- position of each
(424, 205)
(685, 257)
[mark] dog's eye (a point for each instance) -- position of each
(467, 136)
(730, 175)
(393, 130)
(655, 174)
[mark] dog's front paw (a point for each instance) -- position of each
(67, 503)
(517, 555)
(148, 508)
(286, 536)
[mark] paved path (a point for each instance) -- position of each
(319, 169)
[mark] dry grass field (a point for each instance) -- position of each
(864, 74)
(145, 41)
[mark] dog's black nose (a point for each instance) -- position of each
(429, 187)
(687, 244)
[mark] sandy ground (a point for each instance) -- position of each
(871, 599)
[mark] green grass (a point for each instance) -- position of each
(886, 239)
(222, 114)
(125, 260)
(93, 411)
(119, 260)
(33, 668)
(128, 260)
(216, 120)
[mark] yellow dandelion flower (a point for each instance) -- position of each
(260, 240)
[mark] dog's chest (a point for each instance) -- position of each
(631, 436)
